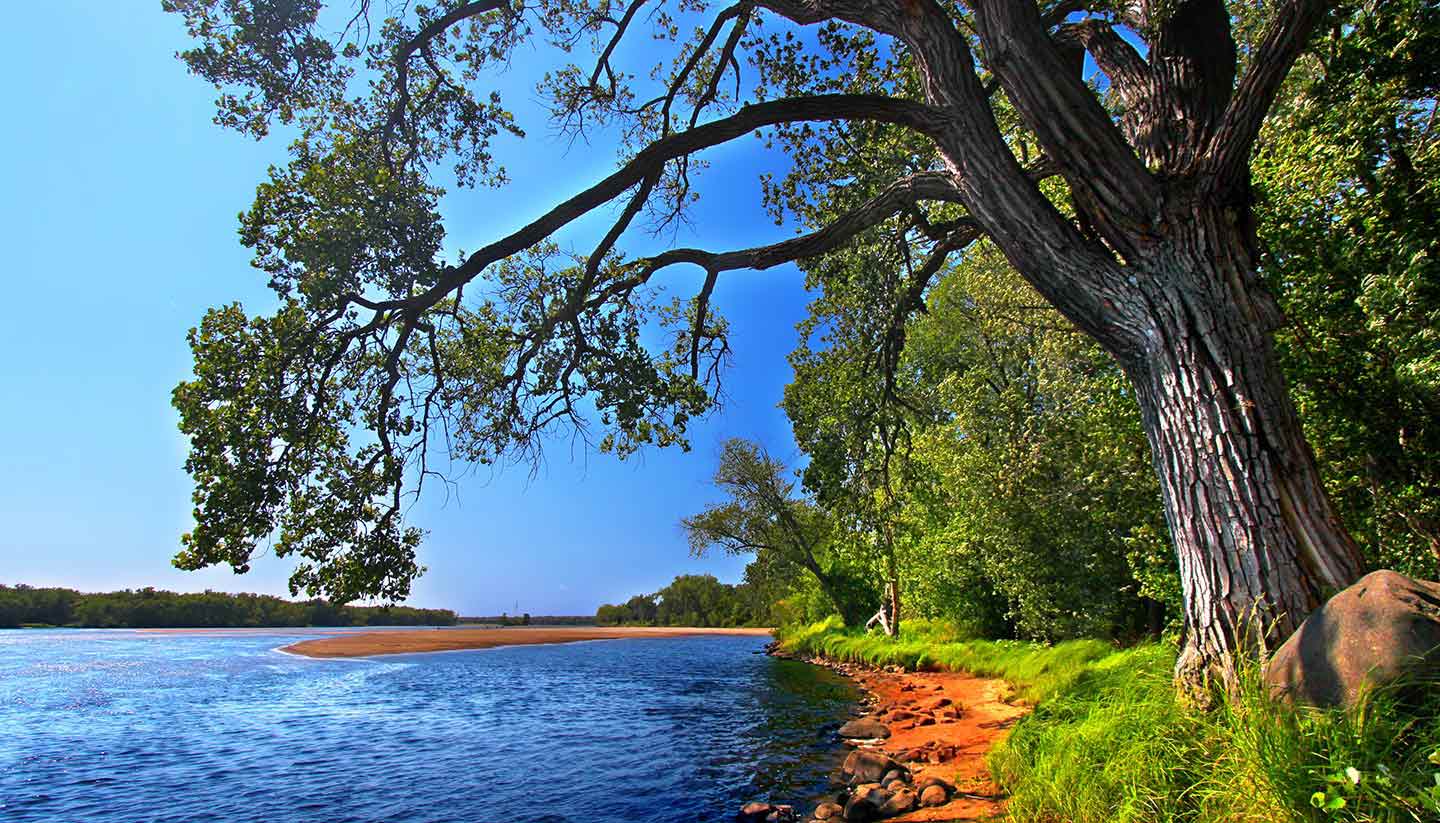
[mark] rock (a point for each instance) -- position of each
(927, 782)
(937, 703)
(866, 766)
(755, 812)
(893, 774)
(912, 755)
(934, 795)
(865, 728)
(1383, 628)
(782, 814)
(899, 714)
(925, 721)
(900, 802)
(825, 811)
(865, 804)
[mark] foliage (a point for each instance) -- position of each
(150, 608)
(788, 535)
(1349, 209)
(691, 600)
(1038, 489)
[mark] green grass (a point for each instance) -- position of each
(1109, 742)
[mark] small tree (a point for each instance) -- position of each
(764, 517)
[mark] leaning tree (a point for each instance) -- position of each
(312, 426)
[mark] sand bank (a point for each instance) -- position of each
(447, 640)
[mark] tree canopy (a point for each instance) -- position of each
(915, 130)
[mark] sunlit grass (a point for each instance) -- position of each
(1108, 739)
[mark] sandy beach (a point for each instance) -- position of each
(447, 640)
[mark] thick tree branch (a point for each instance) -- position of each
(893, 200)
(1127, 71)
(1120, 195)
(1228, 156)
(652, 158)
(1043, 244)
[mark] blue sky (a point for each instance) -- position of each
(118, 217)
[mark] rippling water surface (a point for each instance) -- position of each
(125, 726)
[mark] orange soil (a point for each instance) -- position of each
(444, 640)
(954, 748)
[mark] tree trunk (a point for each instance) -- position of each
(1258, 543)
(892, 596)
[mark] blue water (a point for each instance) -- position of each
(125, 726)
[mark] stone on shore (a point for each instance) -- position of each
(902, 801)
(866, 766)
(934, 795)
(926, 782)
(865, 804)
(865, 728)
(755, 812)
(893, 775)
(1383, 628)
(825, 811)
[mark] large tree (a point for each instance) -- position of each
(1132, 218)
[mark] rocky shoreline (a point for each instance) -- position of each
(919, 749)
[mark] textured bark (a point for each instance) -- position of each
(1258, 543)
(1159, 269)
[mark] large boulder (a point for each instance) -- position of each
(866, 766)
(865, 804)
(1384, 627)
(865, 728)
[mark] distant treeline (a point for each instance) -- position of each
(149, 608)
(537, 620)
(691, 600)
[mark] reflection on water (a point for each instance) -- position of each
(121, 726)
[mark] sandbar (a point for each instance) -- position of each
(368, 644)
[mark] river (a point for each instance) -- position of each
(113, 726)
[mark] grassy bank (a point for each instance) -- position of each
(1108, 740)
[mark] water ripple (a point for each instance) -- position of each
(119, 727)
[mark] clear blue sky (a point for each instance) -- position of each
(118, 217)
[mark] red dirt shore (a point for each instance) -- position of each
(444, 640)
(926, 734)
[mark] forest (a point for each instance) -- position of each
(149, 608)
(691, 600)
